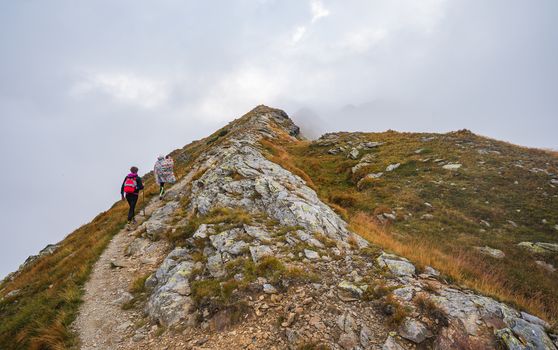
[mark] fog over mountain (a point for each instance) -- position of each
(89, 88)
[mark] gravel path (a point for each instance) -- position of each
(101, 322)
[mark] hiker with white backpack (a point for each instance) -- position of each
(131, 186)
(164, 173)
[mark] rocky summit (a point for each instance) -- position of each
(243, 253)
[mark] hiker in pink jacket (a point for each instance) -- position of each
(164, 173)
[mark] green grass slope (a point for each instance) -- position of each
(501, 195)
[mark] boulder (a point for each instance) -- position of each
(215, 265)
(335, 150)
(353, 154)
(169, 302)
(158, 222)
(548, 267)
(452, 166)
(258, 233)
(397, 265)
(532, 334)
(506, 337)
(137, 247)
(414, 330)
(351, 288)
(493, 252)
(372, 144)
(404, 293)
(534, 320)
(154, 228)
(123, 298)
(13, 293)
(392, 167)
(237, 248)
(551, 247)
(227, 242)
(391, 344)
(365, 336)
(47, 250)
(310, 254)
(539, 247)
(431, 271)
(308, 238)
(348, 341)
(346, 323)
(203, 231)
(258, 252)
(269, 289)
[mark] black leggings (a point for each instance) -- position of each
(162, 188)
(132, 200)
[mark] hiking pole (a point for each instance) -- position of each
(143, 200)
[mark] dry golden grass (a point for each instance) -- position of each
(552, 152)
(279, 155)
(483, 190)
(462, 267)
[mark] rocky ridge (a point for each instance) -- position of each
(265, 264)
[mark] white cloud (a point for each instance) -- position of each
(240, 91)
(126, 88)
(318, 10)
(298, 34)
(426, 14)
(362, 40)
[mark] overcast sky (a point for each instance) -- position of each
(88, 88)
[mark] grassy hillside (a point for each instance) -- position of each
(50, 289)
(501, 195)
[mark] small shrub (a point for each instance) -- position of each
(429, 307)
(198, 256)
(283, 230)
(397, 312)
(233, 216)
(368, 182)
(298, 275)
(377, 291)
(343, 199)
(138, 285)
(328, 242)
(342, 212)
(352, 240)
(270, 267)
(137, 288)
(205, 289)
(227, 289)
(159, 332)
